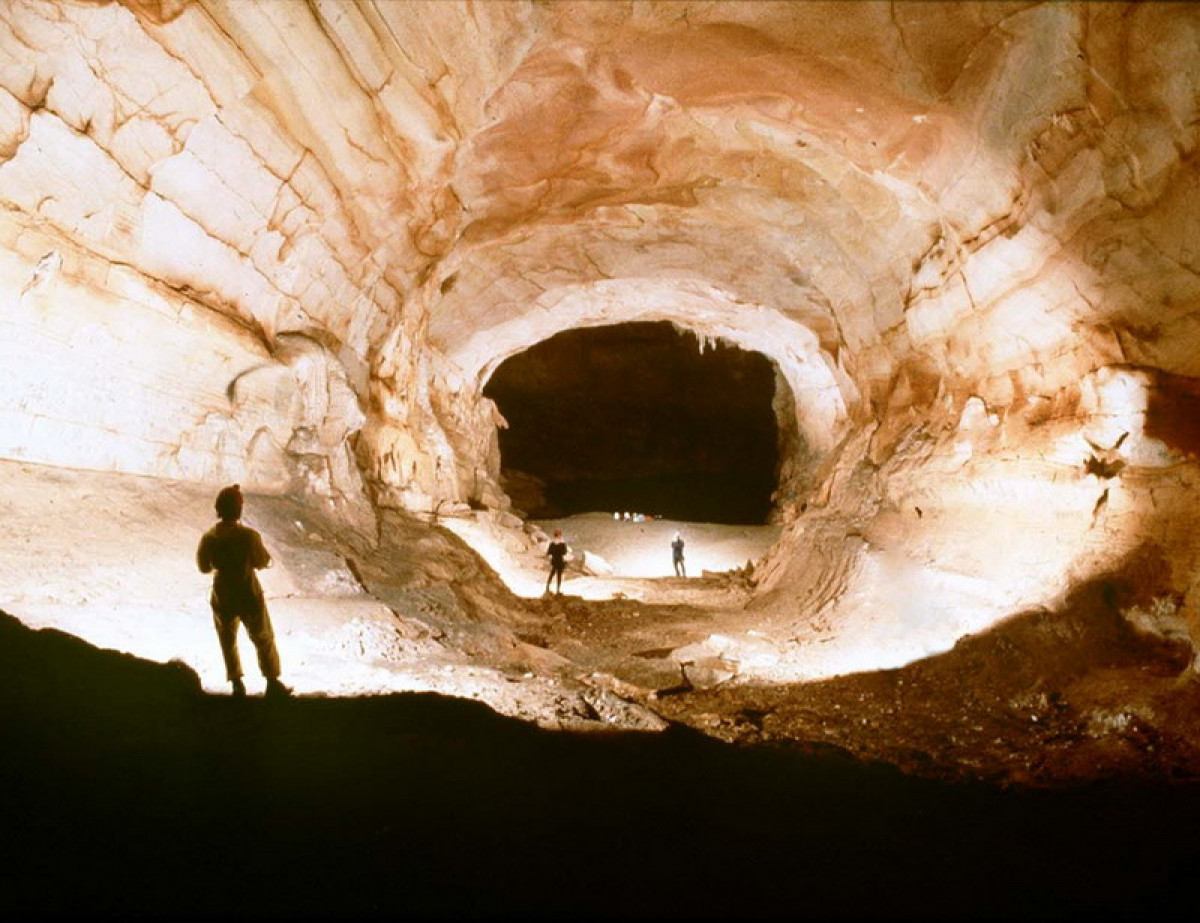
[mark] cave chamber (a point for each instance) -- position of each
(298, 246)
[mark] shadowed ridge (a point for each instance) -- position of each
(126, 791)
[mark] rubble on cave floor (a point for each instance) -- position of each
(1047, 698)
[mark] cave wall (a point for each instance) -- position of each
(288, 244)
(200, 217)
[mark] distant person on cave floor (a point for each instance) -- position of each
(557, 552)
(677, 555)
(232, 552)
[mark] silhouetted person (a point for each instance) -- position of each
(557, 553)
(677, 555)
(234, 552)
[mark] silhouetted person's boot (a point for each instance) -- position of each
(239, 688)
(277, 690)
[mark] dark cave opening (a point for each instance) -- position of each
(638, 417)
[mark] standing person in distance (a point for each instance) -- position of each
(677, 555)
(557, 552)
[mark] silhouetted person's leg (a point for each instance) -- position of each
(258, 626)
(227, 629)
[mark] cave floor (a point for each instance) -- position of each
(1045, 699)
(627, 560)
(110, 558)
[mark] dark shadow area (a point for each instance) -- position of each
(1173, 412)
(127, 792)
(690, 497)
(636, 417)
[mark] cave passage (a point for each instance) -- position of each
(637, 417)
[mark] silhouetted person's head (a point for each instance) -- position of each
(229, 503)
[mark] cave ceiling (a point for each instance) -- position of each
(848, 188)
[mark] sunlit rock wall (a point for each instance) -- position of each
(1027, 438)
(175, 277)
(288, 243)
(212, 230)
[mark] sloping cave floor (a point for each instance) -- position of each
(1048, 698)
(127, 791)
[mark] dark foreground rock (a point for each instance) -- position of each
(125, 791)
